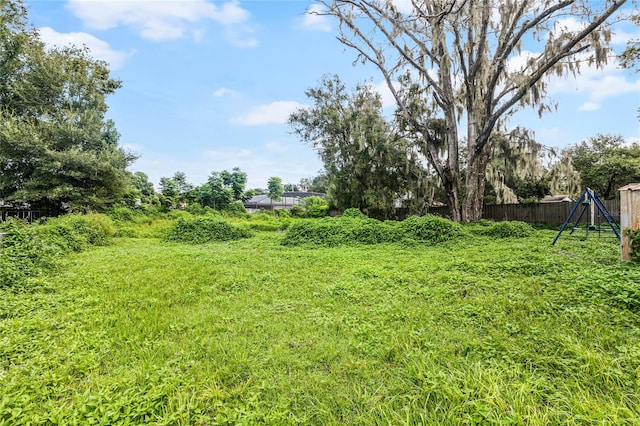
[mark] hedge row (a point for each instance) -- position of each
(27, 250)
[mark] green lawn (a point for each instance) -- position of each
(476, 331)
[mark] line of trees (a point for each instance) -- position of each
(372, 163)
(56, 147)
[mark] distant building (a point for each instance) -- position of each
(288, 200)
(557, 199)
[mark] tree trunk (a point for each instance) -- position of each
(452, 189)
(472, 204)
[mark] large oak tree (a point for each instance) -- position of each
(464, 61)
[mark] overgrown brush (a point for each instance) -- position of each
(355, 228)
(28, 250)
(330, 232)
(508, 229)
(429, 229)
(80, 231)
(200, 230)
(263, 221)
(23, 253)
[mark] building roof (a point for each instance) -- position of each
(557, 199)
(631, 187)
(263, 201)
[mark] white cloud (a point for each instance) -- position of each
(589, 106)
(157, 20)
(403, 6)
(519, 62)
(223, 91)
(273, 113)
(228, 156)
(388, 101)
(99, 49)
(314, 21)
(597, 85)
(272, 146)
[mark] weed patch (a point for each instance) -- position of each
(354, 228)
(508, 229)
(200, 230)
(475, 331)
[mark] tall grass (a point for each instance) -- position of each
(476, 331)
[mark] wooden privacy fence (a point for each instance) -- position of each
(552, 214)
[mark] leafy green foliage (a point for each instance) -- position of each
(200, 230)
(476, 331)
(315, 206)
(56, 146)
(275, 188)
(634, 237)
(508, 229)
(23, 253)
(268, 220)
(330, 232)
(354, 213)
(430, 229)
(76, 232)
(368, 164)
(30, 250)
(354, 228)
(605, 163)
(222, 189)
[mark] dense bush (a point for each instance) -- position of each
(338, 231)
(508, 229)
(429, 229)
(297, 211)
(201, 230)
(23, 253)
(355, 228)
(83, 230)
(264, 221)
(236, 209)
(354, 213)
(315, 206)
(29, 249)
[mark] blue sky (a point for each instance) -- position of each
(208, 85)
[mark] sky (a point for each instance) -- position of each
(209, 85)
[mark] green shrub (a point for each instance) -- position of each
(24, 253)
(355, 228)
(196, 209)
(339, 231)
(201, 230)
(236, 209)
(315, 206)
(30, 249)
(297, 211)
(127, 232)
(354, 213)
(91, 229)
(509, 229)
(123, 214)
(429, 229)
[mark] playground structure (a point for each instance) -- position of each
(599, 222)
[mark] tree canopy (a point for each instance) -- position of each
(275, 188)
(56, 146)
(464, 59)
(606, 163)
(369, 165)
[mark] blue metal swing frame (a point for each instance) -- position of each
(587, 197)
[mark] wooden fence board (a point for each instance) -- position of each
(552, 214)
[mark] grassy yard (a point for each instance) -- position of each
(474, 331)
